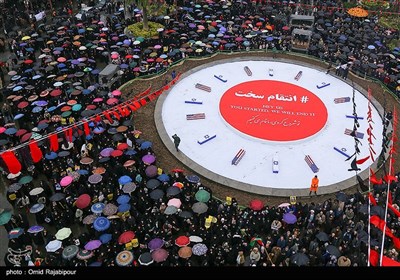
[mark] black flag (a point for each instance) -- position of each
(354, 165)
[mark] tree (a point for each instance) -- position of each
(143, 5)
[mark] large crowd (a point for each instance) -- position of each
(98, 196)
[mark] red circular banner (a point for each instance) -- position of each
(272, 110)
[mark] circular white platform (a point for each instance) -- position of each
(271, 118)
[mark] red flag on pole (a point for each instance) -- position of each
(53, 138)
(13, 165)
(36, 153)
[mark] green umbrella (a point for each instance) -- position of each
(132, 64)
(63, 233)
(76, 107)
(25, 180)
(66, 114)
(5, 217)
(202, 196)
(140, 39)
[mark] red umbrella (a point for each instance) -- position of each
(182, 241)
(21, 132)
(26, 137)
(55, 92)
(177, 170)
(256, 204)
(112, 101)
(28, 61)
(122, 146)
(22, 104)
(116, 153)
(126, 237)
(83, 201)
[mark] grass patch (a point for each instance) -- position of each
(137, 30)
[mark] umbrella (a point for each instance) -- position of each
(182, 241)
(322, 236)
(105, 238)
(175, 202)
(15, 233)
(145, 259)
(163, 177)
(199, 249)
(63, 233)
(5, 217)
(152, 183)
(53, 245)
(146, 145)
(283, 205)
(156, 194)
(84, 254)
(101, 224)
(14, 187)
(97, 208)
(70, 251)
(95, 178)
(106, 152)
(25, 180)
(193, 179)
(89, 219)
(202, 196)
(289, 218)
(36, 208)
(57, 197)
(159, 255)
(124, 180)
(300, 259)
(149, 159)
(185, 214)
(195, 239)
(129, 187)
(256, 205)
(124, 207)
(341, 196)
(171, 191)
(67, 180)
(110, 209)
(155, 244)
(126, 237)
(185, 252)
(124, 258)
(378, 211)
(199, 207)
(93, 244)
(83, 201)
(123, 199)
(151, 171)
(170, 210)
(333, 251)
(35, 229)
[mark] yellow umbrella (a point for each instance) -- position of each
(25, 38)
(63, 233)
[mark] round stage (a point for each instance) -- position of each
(267, 126)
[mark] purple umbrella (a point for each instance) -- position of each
(95, 178)
(106, 152)
(155, 244)
(93, 244)
(149, 159)
(41, 103)
(289, 218)
(192, 25)
(75, 61)
(127, 42)
(151, 171)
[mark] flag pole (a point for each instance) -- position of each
(369, 217)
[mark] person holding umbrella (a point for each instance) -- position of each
(177, 141)
(314, 185)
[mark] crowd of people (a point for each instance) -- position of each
(98, 196)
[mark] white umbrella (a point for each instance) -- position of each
(53, 245)
(195, 239)
(36, 191)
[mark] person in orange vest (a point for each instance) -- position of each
(314, 185)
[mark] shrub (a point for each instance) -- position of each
(137, 29)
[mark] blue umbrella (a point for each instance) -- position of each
(371, 47)
(17, 117)
(193, 179)
(146, 144)
(124, 66)
(98, 130)
(51, 109)
(51, 156)
(101, 224)
(124, 179)
(83, 172)
(123, 199)
(105, 238)
(163, 177)
(61, 65)
(246, 43)
(35, 229)
(17, 88)
(130, 152)
(37, 109)
(10, 131)
(289, 218)
(81, 31)
(269, 38)
(15, 233)
(97, 207)
(36, 77)
(124, 207)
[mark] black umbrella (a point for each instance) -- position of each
(145, 259)
(156, 194)
(300, 259)
(333, 251)
(322, 236)
(57, 197)
(118, 137)
(185, 214)
(341, 196)
(171, 191)
(152, 183)
(378, 211)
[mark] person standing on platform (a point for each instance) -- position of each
(177, 141)
(314, 185)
